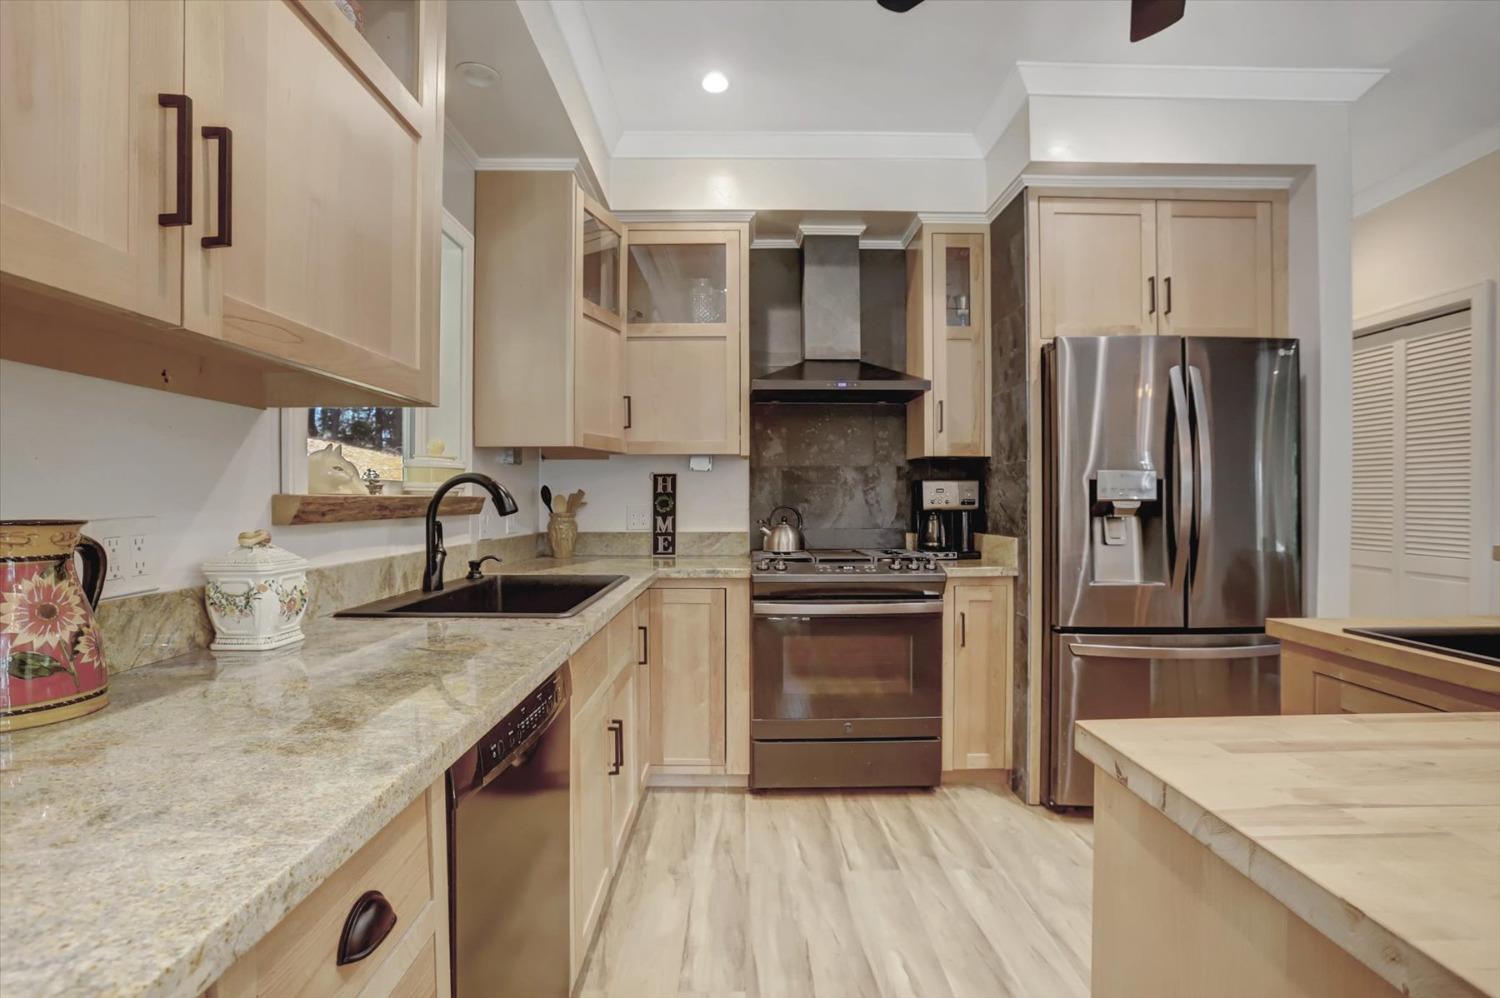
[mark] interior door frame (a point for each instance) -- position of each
(1479, 299)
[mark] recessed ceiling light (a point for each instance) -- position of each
(716, 82)
(477, 74)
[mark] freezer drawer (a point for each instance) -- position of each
(1136, 675)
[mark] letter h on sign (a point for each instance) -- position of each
(664, 515)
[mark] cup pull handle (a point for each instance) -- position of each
(370, 920)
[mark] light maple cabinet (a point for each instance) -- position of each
(948, 341)
(407, 863)
(233, 200)
(978, 653)
(1175, 267)
(687, 653)
(685, 342)
(1316, 681)
(549, 352)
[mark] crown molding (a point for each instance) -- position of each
(796, 145)
(465, 151)
(893, 243)
(1001, 112)
(1439, 164)
(806, 229)
(950, 217)
(706, 217)
(776, 243)
(568, 164)
(1134, 181)
(1273, 83)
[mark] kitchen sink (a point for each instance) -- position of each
(1478, 644)
(496, 596)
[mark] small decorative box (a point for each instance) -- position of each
(256, 595)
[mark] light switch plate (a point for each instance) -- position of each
(637, 516)
(130, 542)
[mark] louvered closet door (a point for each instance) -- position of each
(1423, 430)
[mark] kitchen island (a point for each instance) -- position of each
(1315, 855)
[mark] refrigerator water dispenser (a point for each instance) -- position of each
(1120, 500)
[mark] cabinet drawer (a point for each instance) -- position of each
(300, 955)
(1338, 696)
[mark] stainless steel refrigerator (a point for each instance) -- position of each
(1172, 527)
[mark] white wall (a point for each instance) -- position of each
(458, 183)
(1438, 238)
(80, 447)
(717, 500)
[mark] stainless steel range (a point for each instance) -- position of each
(847, 669)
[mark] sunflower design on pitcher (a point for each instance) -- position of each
(45, 613)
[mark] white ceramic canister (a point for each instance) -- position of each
(256, 595)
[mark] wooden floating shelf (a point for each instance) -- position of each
(293, 509)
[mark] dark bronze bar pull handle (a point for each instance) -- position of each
(184, 213)
(940, 415)
(618, 727)
(1151, 285)
(370, 920)
(1168, 309)
(628, 419)
(963, 630)
(645, 645)
(226, 186)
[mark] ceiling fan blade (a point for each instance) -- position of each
(899, 6)
(1147, 17)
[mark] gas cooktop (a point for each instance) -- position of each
(846, 563)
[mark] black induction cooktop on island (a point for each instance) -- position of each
(1477, 644)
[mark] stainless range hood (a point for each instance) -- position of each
(832, 369)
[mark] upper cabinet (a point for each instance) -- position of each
(1174, 267)
(591, 338)
(251, 190)
(549, 351)
(948, 341)
(684, 339)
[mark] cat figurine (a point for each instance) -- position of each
(329, 472)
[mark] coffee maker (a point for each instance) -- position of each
(945, 517)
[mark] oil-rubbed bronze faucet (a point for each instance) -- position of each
(432, 570)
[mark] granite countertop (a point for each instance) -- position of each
(1382, 831)
(145, 847)
(1327, 634)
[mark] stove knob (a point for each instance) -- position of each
(911, 564)
(763, 565)
(848, 568)
(780, 565)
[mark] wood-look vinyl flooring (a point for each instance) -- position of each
(959, 892)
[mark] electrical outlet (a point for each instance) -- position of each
(637, 516)
(130, 545)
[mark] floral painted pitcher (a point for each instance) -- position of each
(49, 642)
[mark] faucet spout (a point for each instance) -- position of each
(432, 569)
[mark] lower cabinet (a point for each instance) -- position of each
(407, 863)
(977, 680)
(687, 653)
(1314, 681)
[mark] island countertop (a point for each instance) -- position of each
(1382, 831)
(145, 847)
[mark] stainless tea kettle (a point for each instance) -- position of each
(783, 537)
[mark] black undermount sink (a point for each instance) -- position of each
(496, 596)
(1478, 644)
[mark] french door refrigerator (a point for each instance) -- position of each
(1172, 531)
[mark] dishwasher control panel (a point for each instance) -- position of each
(522, 724)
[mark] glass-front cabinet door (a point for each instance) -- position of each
(600, 408)
(684, 339)
(960, 354)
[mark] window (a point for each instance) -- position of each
(420, 448)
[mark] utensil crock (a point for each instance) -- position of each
(52, 664)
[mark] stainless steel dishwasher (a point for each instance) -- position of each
(508, 853)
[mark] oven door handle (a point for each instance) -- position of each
(893, 609)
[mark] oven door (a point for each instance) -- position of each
(847, 669)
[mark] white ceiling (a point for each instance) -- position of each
(850, 66)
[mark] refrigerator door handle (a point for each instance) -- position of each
(1183, 513)
(1203, 502)
(1159, 652)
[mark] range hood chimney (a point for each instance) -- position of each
(832, 369)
